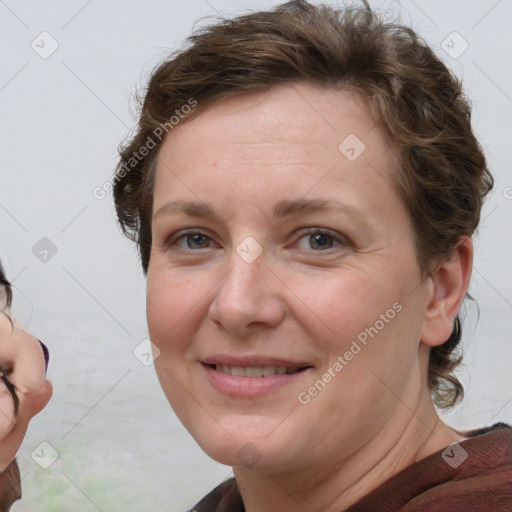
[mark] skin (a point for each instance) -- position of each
(297, 299)
(22, 361)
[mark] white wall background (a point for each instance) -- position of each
(120, 446)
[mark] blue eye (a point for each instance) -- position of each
(193, 240)
(316, 239)
(320, 239)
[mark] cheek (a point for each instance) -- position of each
(174, 304)
(340, 305)
(366, 316)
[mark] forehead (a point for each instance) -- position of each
(283, 113)
(284, 141)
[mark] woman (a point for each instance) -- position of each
(24, 391)
(303, 188)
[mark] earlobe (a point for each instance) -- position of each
(449, 282)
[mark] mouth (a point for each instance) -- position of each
(257, 371)
(250, 377)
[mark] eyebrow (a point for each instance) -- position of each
(280, 210)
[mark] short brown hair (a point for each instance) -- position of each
(442, 175)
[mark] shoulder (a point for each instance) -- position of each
(500, 427)
(475, 474)
(488, 451)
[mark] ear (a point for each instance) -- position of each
(446, 292)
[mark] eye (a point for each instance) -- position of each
(191, 240)
(319, 239)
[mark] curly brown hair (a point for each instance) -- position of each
(442, 174)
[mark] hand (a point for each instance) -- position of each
(24, 390)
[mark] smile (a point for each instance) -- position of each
(235, 379)
(256, 371)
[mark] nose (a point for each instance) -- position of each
(248, 298)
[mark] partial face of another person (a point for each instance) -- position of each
(296, 246)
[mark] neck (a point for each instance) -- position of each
(330, 486)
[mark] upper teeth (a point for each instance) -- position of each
(254, 371)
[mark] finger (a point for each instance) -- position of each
(12, 391)
(30, 404)
(7, 410)
(10, 444)
(34, 402)
(22, 359)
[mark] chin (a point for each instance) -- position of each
(237, 446)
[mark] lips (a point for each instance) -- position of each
(256, 371)
(254, 366)
(251, 376)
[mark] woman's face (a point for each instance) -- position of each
(279, 245)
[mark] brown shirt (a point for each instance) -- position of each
(10, 486)
(477, 478)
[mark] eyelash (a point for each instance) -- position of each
(338, 239)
